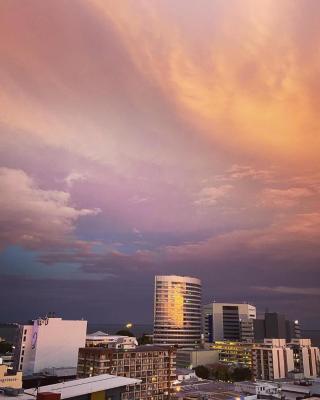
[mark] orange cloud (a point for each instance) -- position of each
(245, 81)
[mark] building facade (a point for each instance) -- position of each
(111, 341)
(275, 326)
(8, 379)
(306, 358)
(236, 353)
(272, 360)
(49, 342)
(155, 366)
(177, 311)
(191, 358)
(228, 321)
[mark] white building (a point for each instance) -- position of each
(177, 311)
(306, 357)
(111, 341)
(272, 360)
(228, 321)
(49, 343)
(258, 388)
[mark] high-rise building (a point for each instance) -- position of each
(177, 311)
(154, 365)
(228, 321)
(272, 360)
(275, 326)
(306, 358)
(49, 342)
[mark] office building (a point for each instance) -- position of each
(49, 342)
(228, 321)
(236, 353)
(306, 358)
(275, 326)
(103, 387)
(177, 311)
(191, 358)
(154, 365)
(293, 330)
(9, 379)
(111, 341)
(272, 360)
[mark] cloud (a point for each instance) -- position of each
(209, 196)
(75, 177)
(290, 197)
(290, 290)
(33, 217)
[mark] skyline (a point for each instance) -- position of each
(143, 138)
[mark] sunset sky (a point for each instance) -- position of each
(158, 137)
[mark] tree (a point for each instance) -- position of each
(125, 332)
(202, 372)
(221, 372)
(241, 374)
(144, 339)
(5, 347)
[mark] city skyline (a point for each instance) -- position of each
(143, 138)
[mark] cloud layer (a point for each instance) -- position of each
(143, 137)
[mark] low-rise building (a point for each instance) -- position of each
(9, 379)
(258, 388)
(237, 353)
(103, 387)
(111, 341)
(190, 358)
(154, 365)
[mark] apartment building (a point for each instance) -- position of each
(112, 341)
(154, 365)
(306, 357)
(272, 360)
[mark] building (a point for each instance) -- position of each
(191, 358)
(111, 341)
(103, 387)
(228, 321)
(236, 353)
(49, 342)
(293, 330)
(306, 358)
(154, 365)
(272, 360)
(177, 311)
(186, 375)
(275, 326)
(9, 379)
(261, 389)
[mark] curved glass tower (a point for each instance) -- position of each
(177, 311)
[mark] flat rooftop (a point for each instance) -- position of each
(209, 389)
(77, 387)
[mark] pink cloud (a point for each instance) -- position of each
(33, 217)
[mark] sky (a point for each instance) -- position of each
(158, 137)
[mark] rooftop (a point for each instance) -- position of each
(77, 387)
